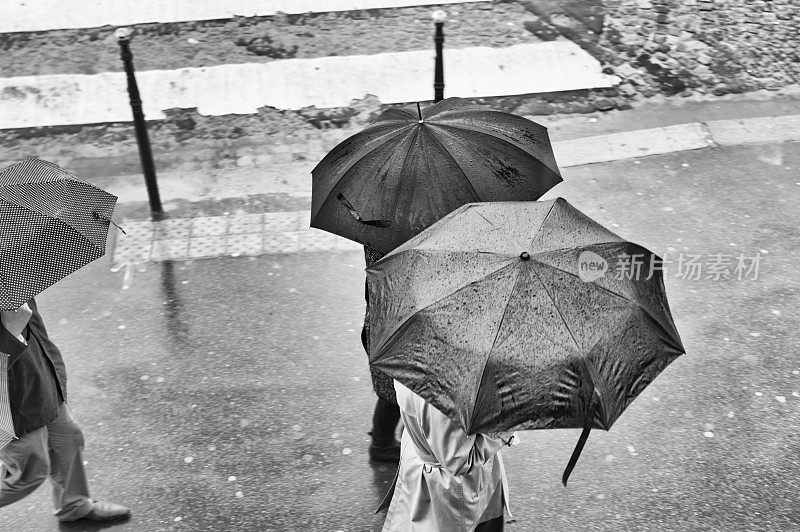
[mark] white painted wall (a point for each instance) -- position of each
(323, 82)
(43, 15)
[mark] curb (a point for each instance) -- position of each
(671, 139)
(288, 232)
(632, 144)
(244, 174)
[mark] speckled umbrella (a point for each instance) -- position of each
(522, 315)
(52, 224)
(387, 183)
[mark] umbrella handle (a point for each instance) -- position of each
(354, 213)
(99, 216)
(575, 454)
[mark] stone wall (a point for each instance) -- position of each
(682, 46)
(722, 46)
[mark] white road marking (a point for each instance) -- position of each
(324, 82)
(43, 15)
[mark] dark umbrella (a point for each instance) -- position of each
(510, 316)
(52, 224)
(387, 183)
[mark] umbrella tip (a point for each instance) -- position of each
(525, 255)
(98, 216)
(419, 113)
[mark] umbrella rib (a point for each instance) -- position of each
(583, 359)
(502, 139)
(80, 233)
(494, 342)
(505, 310)
(541, 226)
(389, 137)
(455, 162)
(51, 218)
(555, 250)
(500, 267)
(405, 159)
(471, 129)
(667, 333)
(617, 294)
(417, 311)
(433, 190)
(553, 301)
(593, 284)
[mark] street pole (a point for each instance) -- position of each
(438, 73)
(123, 36)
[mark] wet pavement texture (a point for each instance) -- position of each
(198, 44)
(233, 394)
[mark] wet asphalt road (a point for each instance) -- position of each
(232, 393)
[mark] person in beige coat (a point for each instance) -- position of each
(448, 480)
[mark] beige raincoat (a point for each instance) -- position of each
(447, 480)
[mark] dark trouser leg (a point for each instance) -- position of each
(384, 447)
(492, 525)
(386, 414)
(384, 422)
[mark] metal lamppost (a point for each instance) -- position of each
(123, 36)
(438, 73)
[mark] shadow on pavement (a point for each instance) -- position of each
(86, 526)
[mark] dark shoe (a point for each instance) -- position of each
(385, 453)
(106, 512)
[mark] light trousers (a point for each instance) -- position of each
(52, 451)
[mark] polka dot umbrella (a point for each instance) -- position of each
(521, 316)
(52, 224)
(6, 421)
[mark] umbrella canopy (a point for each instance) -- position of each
(52, 224)
(7, 433)
(387, 183)
(521, 315)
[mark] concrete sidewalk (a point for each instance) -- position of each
(234, 395)
(287, 231)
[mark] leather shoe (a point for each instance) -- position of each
(106, 512)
